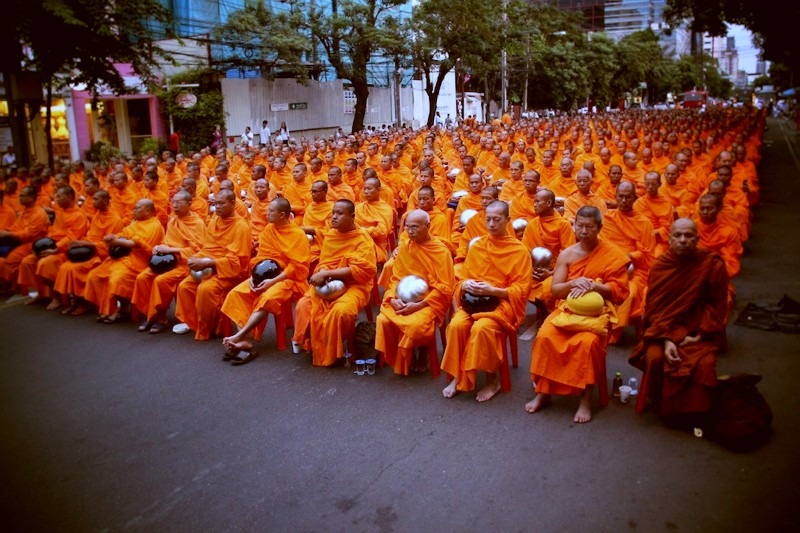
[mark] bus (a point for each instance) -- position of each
(693, 99)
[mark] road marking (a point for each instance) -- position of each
(14, 300)
(789, 144)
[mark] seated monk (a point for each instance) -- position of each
(110, 286)
(513, 186)
(157, 195)
(678, 196)
(402, 326)
(475, 227)
(258, 205)
(720, 238)
(582, 196)
(199, 203)
(497, 265)
(226, 252)
(522, 205)
(239, 206)
(317, 219)
(608, 189)
(248, 304)
(376, 217)
(337, 188)
(123, 198)
(71, 279)
(563, 361)
(298, 191)
(684, 328)
(472, 200)
(552, 231)
(658, 210)
(40, 272)
(31, 224)
(153, 293)
(348, 254)
(632, 233)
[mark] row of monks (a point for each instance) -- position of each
(349, 209)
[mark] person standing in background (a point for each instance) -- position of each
(265, 134)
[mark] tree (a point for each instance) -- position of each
(350, 34)
(268, 40)
(773, 29)
(196, 124)
(441, 32)
(70, 42)
(639, 59)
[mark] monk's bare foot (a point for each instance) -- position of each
(241, 345)
(450, 390)
(80, 310)
(68, 310)
(584, 413)
(54, 304)
(233, 339)
(539, 402)
(488, 391)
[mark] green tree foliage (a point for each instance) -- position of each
(70, 42)
(350, 34)
(195, 124)
(261, 38)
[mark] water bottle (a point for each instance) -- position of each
(616, 384)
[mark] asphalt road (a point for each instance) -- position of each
(105, 428)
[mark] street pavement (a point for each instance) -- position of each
(108, 429)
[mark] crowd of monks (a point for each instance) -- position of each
(462, 208)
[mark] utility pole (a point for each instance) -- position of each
(397, 107)
(504, 65)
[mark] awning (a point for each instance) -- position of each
(788, 92)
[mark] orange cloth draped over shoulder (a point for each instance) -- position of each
(661, 214)
(72, 277)
(474, 341)
(228, 242)
(340, 192)
(577, 199)
(153, 293)
(299, 196)
(724, 240)
(562, 361)
(554, 233)
(332, 321)
(510, 189)
(122, 202)
(396, 334)
(117, 277)
(32, 224)
(521, 206)
(288, 246)
(69, 225)
(318, 216)
(684, 297)
(632, 233)
(376, 218)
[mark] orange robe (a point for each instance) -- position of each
(153, 292)
(122, 203)
(396, 335)
(72, 277)
(331, 321)
(69, 225)
(161, 201)
(521, 206)
(562, 361)
(31, 224)
(561, 186)
(258, 215)
(724, 240)
(510, 189)
(632, 233)
(200, 207)
(577, 199)
(288, 246)
(474, 342)
(7, 216)
(685, 296)
(227, 241)
(554, 233)
(299, 196)
(660, 213)
(116, 278)
(340, 192)
(318, 216)
(376, 218)
(679, 197)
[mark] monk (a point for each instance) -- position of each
(226, 253)
(401, 325)
(123, 199)
(376, 217)
(497, 265)
(158, 196)
(563, 183)
(563, 361)
(658, 210)
(259, 204)
(153, 293)
(582, 196)
(317, 219)
(678, 196)
(632, 233)
(248, 304)
(631, 172)
(472, 200)
(552, 231)
(31, 224)
(513, 186)
(40, 272)
(475, 227)
(337, 188)
(608, 189)
(730, 214)
(522, 205)
(298, 191)
(684, 328)
(110, 286)
(348, 255)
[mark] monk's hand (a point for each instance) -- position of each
(688, 339)
(45, 253)
(481, 288)
(671, 352)
(460, 227)
(319, 278)
(199, 263)
(397, 304)
(394, 252)
(159, 249)
(4, 233)
(410, 307)
(541, 273)
(109, 238)
(581, 286)
(261, 287)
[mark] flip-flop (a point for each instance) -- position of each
(144, 326)
(158, 327)
(113, 319)
(243, 357)
(230, 353)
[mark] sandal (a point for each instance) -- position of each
(116, 317)
(243, 357)
(230, 353)
(158, 327)
(144, 326)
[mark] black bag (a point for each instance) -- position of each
(365, 340)
(741, 419)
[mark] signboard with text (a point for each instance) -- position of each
(279, 107)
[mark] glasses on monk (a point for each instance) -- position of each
(412, 227)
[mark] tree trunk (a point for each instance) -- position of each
(433, 93)
(48, 118)
(361, 89)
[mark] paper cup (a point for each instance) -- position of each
(624, 394)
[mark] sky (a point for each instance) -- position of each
(748, 54)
